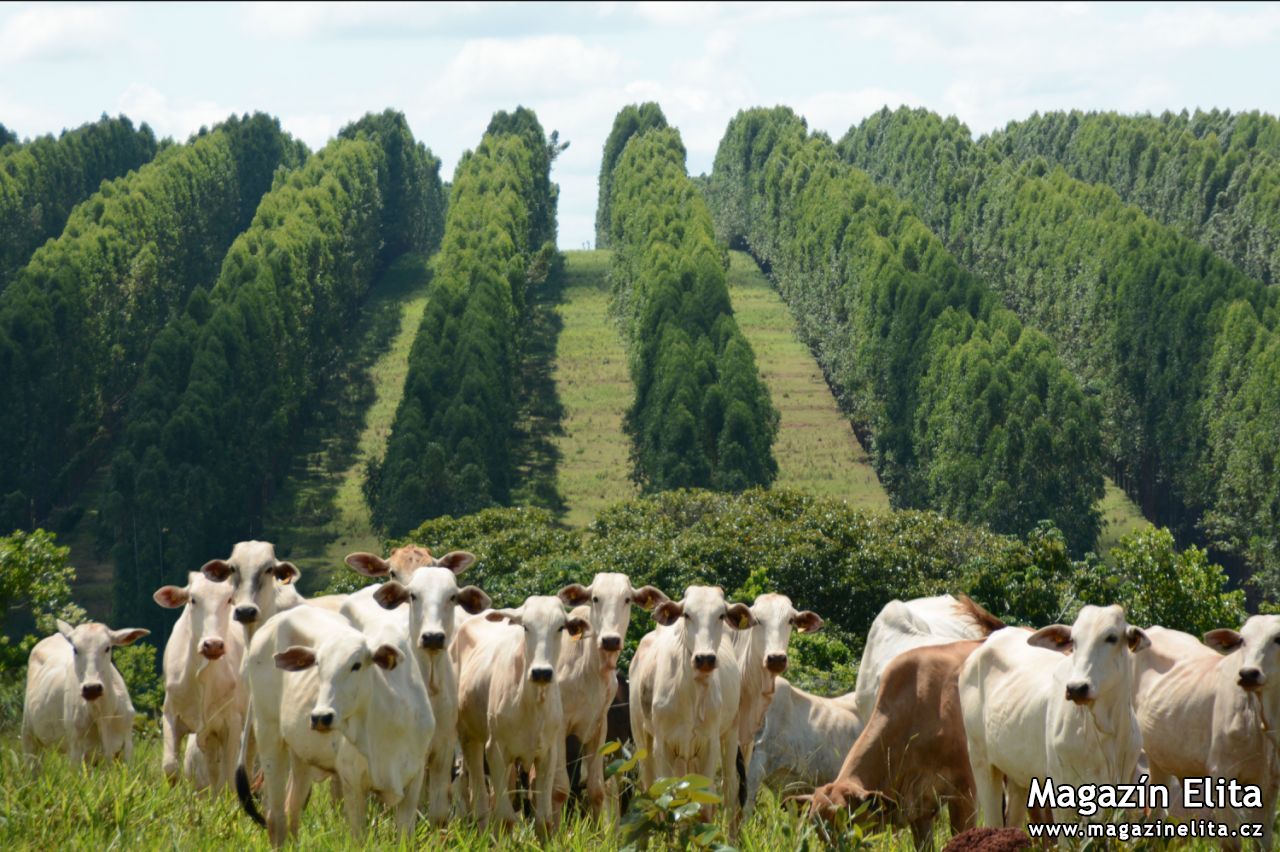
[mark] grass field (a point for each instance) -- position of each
(1120, 516)
(320, 515)
(594, 390)
(816, 449)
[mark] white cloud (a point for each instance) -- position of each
(53, 33)
(524, 67)
(167, 116)
(836, 111)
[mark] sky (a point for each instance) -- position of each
(449, 67)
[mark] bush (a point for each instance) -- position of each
(35, 590)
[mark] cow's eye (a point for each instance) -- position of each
(1278, 640)
(626, 600)
(1111, 639)
(595, 599)
(356, 667)
(561, 628)
(413, 596)
(75, 652)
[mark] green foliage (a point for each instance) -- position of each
(35, 590)
(43, 179)
(632, 120)
(1171, 340)
(669, 812)
(449, 450)
(227, 383)
(702, 418)
(966, 410)
(137, 665)
(78, 321)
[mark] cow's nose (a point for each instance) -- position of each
(322, 721)
(611, 643)
(1251, 678)
(246, 614)
(1078, 691)
(704, 662)
(91, 691)
(541, 674)
(212, 649)
(776, 663)
(432, 641)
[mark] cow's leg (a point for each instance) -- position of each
(755, 776)
(563, 788)
(172, 733)
(989, 783)
(439, 768)
(544, 787)
(500, 772)
(728, 760)
(407, 807)
(648, 768)
(593, 767)
(355, 804)
(1017, 805)
(297, 793)
(473, 763)
(275, 777)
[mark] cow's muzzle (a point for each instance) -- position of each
(541, 674)
(611, 643)
(212, 649)
(246, 614)
(322, 722)
(91, 691)
(704, 663)
(432, 641)
(1251, 679)
(1079, 693)
(776, 663)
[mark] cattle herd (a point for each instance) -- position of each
(407, 683)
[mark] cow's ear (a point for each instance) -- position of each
(577, 627)
(647, 597)
(667, 613)
(171, 597)
(575, 594)
(807, 622)
(511, 615)
(391, 594)
(1137, 639)
(1055, 637)
(386, 657)
(285, 572)
(65, 629)
(368, 564)
(128, 635)
(473, 600)
(216, 570)
(739, 617)
(295, 658)
(1224, 639)
(456, 561)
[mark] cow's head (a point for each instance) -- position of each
(776, 618)
(545, 625)
(1100, 642)
(701, 618)
(870, 807)
(432, 593)
(208, 606)
(91, 646)
(1259, 645)
(404, 561)
(344, 661)
(610, 597)
(252, 572)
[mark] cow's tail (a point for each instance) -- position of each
(243, 790)
(983, 620)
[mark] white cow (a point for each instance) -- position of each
(328, 698)
(587, 670)
(401, 564)
(261, 585)
(203, 692)
(1205, 714)
(509, 708)
(762, 656)
(433, 596)
(685, 689)
(1031, 710)
(804, 740)
(75, 697)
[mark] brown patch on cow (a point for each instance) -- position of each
(989, 840)
(983, 620)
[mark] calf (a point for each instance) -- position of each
(203, 691)
(1206, 715)
(401, 564)
(433, 595)
(912, 756)
(1031, 710)
(75, 698)
(685, 689)
(327, 697)
(260, 584)
(509, 707)
(587, 670)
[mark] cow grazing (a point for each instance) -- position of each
(261, 585)
(75, 698)
(203, 692)
(803, 742)
(587, 670)
(1031, 710)
(509, 708)
(1205, 714)
(762, 655)
(685, 689)
(433, 596)
(912, 756)
(332, 699)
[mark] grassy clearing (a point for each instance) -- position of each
(594, 389)
(536, 454)
(1120, 516)
(816, 449)
(320, 515)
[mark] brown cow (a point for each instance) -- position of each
(912, 755)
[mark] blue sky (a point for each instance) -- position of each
(448, 68)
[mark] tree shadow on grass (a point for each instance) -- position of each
(541, 414)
